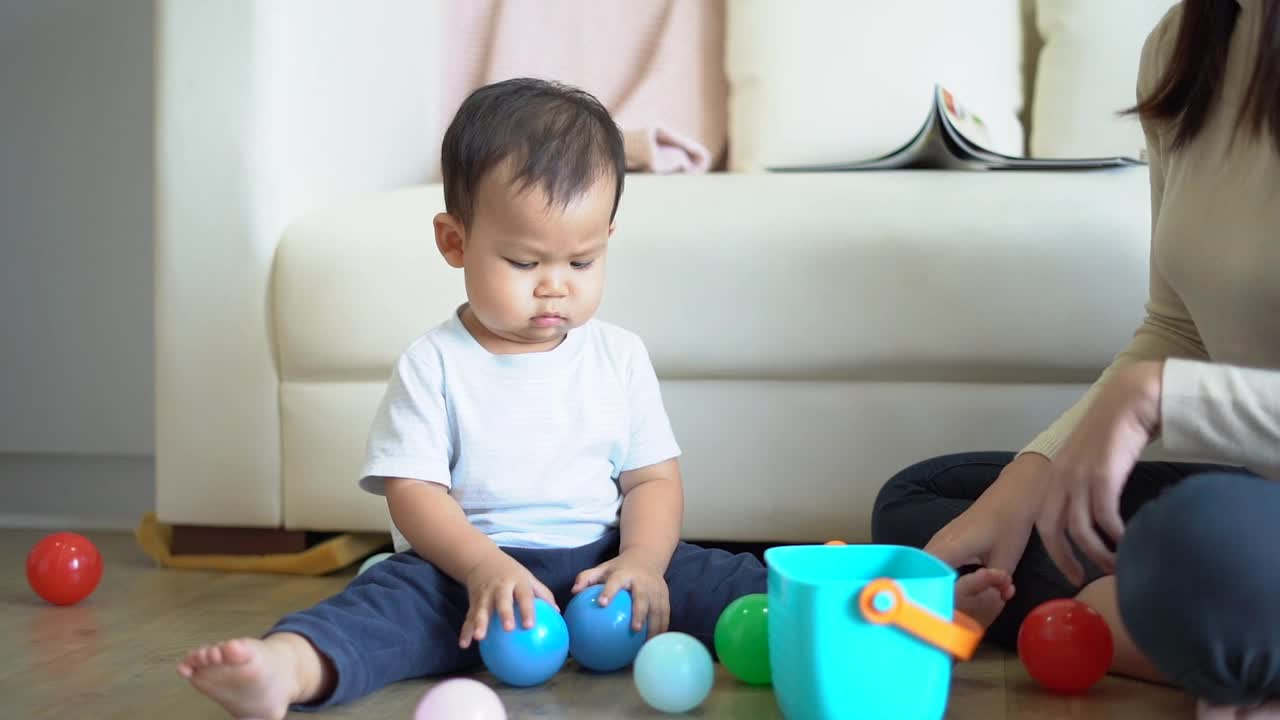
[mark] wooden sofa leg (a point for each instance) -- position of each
(210, 540)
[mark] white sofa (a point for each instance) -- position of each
(813, 333)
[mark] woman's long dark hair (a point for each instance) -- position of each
(1192, 82)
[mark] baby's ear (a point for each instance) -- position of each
(612, 227)
(450, 236)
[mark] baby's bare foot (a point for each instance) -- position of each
(248, 677)
(982, 594)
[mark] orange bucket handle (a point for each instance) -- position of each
(883, 603)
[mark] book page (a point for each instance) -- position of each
(963, 119)
(954, 119)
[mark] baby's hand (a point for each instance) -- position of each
(642, 578)
(491, 585)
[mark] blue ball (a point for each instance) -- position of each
(600, 638)
(674, 673)
(526, 656)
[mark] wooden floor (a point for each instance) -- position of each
(113, 656)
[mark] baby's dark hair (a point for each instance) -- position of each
(557, 137)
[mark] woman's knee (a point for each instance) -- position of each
(902, 513)
(891, 513)
(1196, 587)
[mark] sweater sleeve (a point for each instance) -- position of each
(1222, 413)
(1167, 330)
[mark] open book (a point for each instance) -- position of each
(944, 143)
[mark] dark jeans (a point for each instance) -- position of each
(401, 618)
(1197, 579)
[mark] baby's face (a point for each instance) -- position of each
(534, 271)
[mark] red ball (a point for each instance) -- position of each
(64, 568)
(1065, 645)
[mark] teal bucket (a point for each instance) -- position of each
(841, 643)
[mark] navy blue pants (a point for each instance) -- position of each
(1197, 578)
(402, 617)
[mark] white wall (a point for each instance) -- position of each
(76, 177)
(76, 124)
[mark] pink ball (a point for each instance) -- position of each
(460, 699)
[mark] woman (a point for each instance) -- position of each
(1180, 558)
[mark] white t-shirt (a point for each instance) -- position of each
(530, 445)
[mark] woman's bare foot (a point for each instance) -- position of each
(982, 594)
(1127, 659)
(1265, 711)
(250, 678)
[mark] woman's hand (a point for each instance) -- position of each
(1090, 471)
(994, 530)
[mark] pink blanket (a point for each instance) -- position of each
(656, 64)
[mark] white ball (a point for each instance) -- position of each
(373, 560)
(460, 699)
(673, 672)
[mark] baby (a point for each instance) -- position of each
(522, 445)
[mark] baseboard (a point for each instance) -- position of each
(87, 492)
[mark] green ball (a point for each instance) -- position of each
(742, 639)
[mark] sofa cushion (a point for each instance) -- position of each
(916, 275)
(762, 460)
(815, 81)
(813, 333)
(1087, 72)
